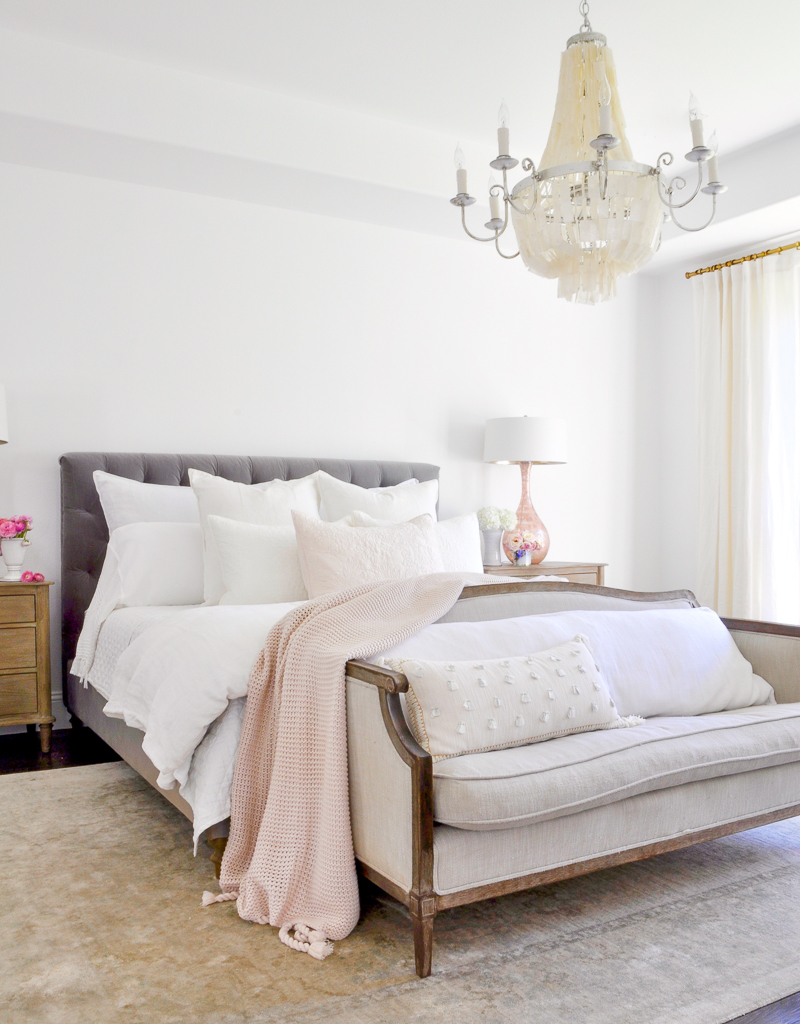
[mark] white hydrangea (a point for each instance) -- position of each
(492, 518)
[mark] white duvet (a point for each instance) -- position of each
(182, 682)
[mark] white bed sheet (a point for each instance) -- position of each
(182, 680)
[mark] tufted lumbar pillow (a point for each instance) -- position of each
(464, 707)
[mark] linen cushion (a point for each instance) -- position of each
(267, 504)
(659, 662)
(398, 504)
(512, 788)
(459, 540)
(334, 556)
(156, 564)
(463, 707)
(127, 501)
(260, 564)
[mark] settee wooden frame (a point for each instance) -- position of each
(421, 900)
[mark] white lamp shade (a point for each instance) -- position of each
(3, 416)
(541, 439)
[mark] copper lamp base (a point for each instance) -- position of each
(529, 529)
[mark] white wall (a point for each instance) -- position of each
(142, 319)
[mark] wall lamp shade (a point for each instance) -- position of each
(515, 439)
(3, 416)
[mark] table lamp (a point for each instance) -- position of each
(526, 440)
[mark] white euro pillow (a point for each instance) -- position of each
(459, 540)
(334, 556)
(397, 504)
(127, 501)
(266, 504)
(260, 564)
(656, 662)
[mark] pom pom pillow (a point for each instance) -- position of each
(465, 707)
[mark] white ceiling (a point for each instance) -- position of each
(445, 65)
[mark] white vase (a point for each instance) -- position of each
(13, 552)
(492, 551)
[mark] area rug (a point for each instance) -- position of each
(100, 921)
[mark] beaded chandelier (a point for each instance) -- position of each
(591, 213)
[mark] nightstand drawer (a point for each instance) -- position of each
(21, 608)
(18, 694)
(18, 647)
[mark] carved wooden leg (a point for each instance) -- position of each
(217, 845)
(423, 914)
(75, 722)
(45, 733)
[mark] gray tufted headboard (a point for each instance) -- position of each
(84, 534)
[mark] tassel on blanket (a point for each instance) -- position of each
(221, 897)
(306, 940)
(627, 722)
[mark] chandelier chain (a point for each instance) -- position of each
(583, 8)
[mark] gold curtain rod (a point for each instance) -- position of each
(744, 259)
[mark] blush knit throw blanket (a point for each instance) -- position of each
(289, 860)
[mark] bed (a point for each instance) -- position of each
(84, 537)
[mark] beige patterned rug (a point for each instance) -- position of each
(100, 922)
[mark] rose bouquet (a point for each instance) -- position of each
(522, 542)
(493, 518)
(16, 528)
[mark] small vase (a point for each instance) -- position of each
(13, 552)
(528, 522)
(492, 554)
(523, 559)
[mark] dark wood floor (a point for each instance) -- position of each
(73, 747)
(69, 748)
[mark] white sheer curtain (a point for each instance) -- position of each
(747, 325)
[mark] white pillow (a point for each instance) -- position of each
(657, 662)
(336, 557)
(465, 707)
(260, 564)
(129, 501)
(459, 540)
(146, 564)
(398, 504)
(267, 504)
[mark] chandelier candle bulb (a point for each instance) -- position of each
(605, 107)
(494, 202)
(695, 122)
(503, 144)
(461, 170)
(713, 166)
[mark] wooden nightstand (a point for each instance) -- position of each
(575, 572)
(25, 657)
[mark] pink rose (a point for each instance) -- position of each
(8, 528)
(27, 577)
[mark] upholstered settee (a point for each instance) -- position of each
(440, 834)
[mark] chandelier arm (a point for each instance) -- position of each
(679, 182)
(702, 227)
(505, 257)
(464, 223)
(507, 195)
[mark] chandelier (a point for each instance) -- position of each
(591, 213)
